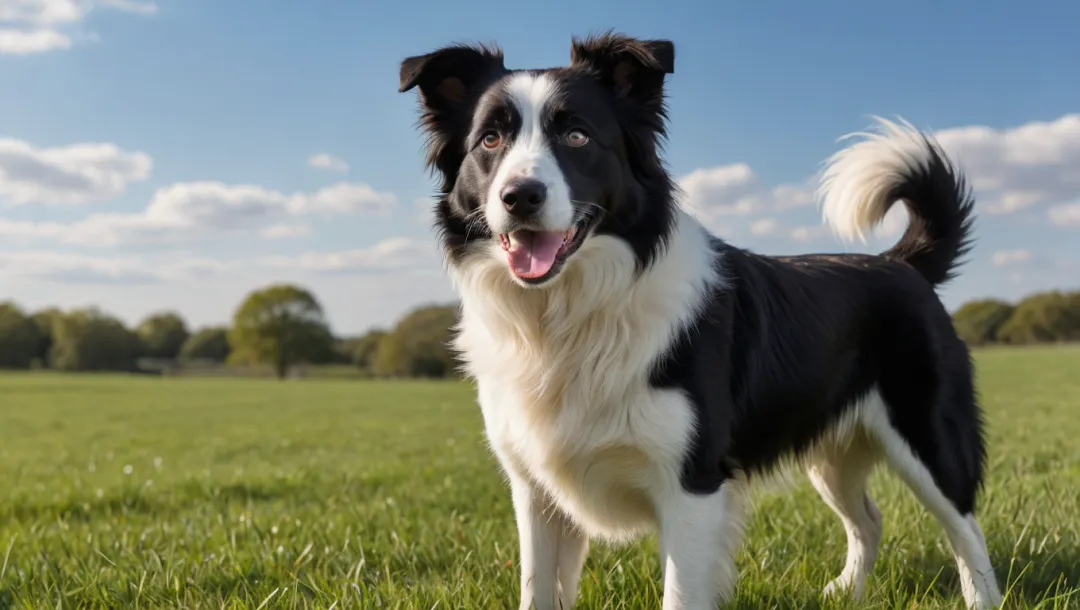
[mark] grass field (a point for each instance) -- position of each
(241, 493)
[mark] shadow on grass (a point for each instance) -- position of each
(1026, 580)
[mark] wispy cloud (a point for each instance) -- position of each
(328, 162)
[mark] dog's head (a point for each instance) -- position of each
(539, 161)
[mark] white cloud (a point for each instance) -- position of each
(36, 26)
(1066, 215)
(718, 189)
(398, 254)
(224, 206)
(192, 210)
(26, 42)
(1012, 169)
(214, 205)
(97, 230)
(807, 233)
(285, 230)
(131, 6)
(75, 268)
(343, 198)
(394, 253)
(1003, 258)
(40, 12)
(329, 162)
(736, 190)
(765, 226)
(67, 175)
(770, 227)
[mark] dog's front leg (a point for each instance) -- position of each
(699, 536)
(552, 551)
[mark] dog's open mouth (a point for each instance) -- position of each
(535, 256)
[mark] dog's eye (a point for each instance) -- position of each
(577, 138)
(491, 140)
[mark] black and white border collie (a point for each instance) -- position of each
(636, 373)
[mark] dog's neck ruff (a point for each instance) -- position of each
(594, 333)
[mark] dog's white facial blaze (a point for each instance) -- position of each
(530, 156)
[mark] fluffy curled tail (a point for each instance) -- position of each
(860, 183)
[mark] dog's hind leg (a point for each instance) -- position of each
(977, 579)
(839, 471)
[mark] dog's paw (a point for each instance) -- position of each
(843, 586)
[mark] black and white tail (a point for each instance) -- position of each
(861, 182)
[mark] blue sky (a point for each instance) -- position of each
(158, 155)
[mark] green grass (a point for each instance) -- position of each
(241, 493)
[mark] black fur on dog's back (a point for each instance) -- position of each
(798, 341)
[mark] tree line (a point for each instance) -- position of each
(1044, 317)
(284, 325)
(280, 326)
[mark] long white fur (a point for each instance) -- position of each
(591, 450)
(529, 156)
(857, 180)
(589, 447)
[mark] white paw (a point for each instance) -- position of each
(843, 586)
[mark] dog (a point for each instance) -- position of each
(637, 373)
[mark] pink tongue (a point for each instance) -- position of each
(532, 253)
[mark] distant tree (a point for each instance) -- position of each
(162, 335)
(1073, 298)
(89, 340)
(281, 325)
(365, 349)
(19, 337)
(207, 344)
(343, 351)
(46, 322)
(978, 322)
(1043, 317)
(419, 345)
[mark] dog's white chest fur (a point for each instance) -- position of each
(563, 376)
(602, 462)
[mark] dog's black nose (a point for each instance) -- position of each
(523, 196)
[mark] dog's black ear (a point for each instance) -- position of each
(448, 79)
(446, 76)
(632, 68)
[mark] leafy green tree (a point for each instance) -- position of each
(344, 349)
(366, 348)
(19, 337)
(978, 322)
(1042, 318)
(89, 340)
(281, 325)
(419, 345)
(46, 322)
(162, 335)
(207, 344)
